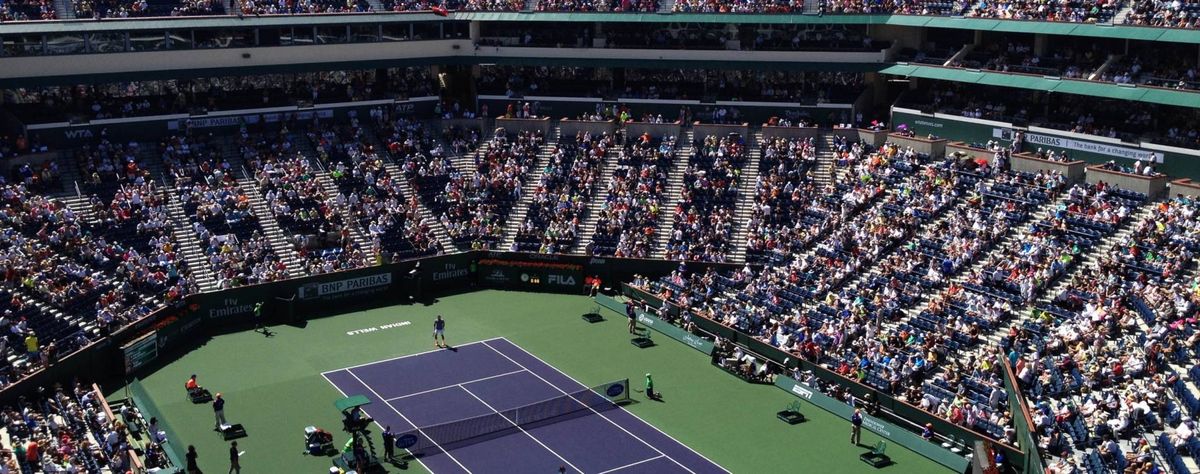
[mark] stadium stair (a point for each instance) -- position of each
(1022, 314)
(423, 212)
(530, 5)
(674, 187)
(69, 173)
(826, 158)
(745, 199)
(1119, 18)
(1001, 246)
(150, 159)
(306, 148)
(65, 9)
(666, 6)
(600, 196)
(81, 204)
(1112, 59)
(357, 235)
(516, 218)
(271, 228)
(376, 6)
(1089, 258)
(190, 246)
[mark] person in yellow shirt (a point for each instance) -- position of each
(31, 345)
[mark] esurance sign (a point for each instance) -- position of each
(348, 287)
(1094, 147)
(675, 332)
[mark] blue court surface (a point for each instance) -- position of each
(487, 379)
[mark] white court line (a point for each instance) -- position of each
(552, 367)
(615, 469)
(515, 425)
(589, 407)
(335, 387)
(414, 425)
(452, 386)
(407, 356)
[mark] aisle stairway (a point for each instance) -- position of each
(1015, 234)
(80, 204)
(271, 229)
(516, 216)
(65, 9)
(666, 218)
(599, 197)
(358, 235)
(826, 159)
(68, 173)
(149, 158)
(745, 199)
(423, 212)
(190, 247)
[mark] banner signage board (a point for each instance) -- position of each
(358, 286)
(654, 322)
(1093, 147)
(531, 275)
(675, 332)
(140, 352)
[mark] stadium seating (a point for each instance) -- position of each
(559, 201)
(28, 10)
(626, 223)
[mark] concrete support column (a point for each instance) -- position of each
(1039, 44)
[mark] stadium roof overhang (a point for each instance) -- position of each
(1156, 95)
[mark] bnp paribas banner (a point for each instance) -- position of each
(358, 286)
(1096, 148)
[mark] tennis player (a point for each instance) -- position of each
(439, 332)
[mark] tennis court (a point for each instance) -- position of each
(491, 406)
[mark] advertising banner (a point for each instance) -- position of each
(531, 275)
(1097, 148)
(675, 332)
(140, 351)
(351, 287)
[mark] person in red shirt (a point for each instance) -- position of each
(33, 455)
(192, 386)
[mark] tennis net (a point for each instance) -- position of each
(467, 431)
